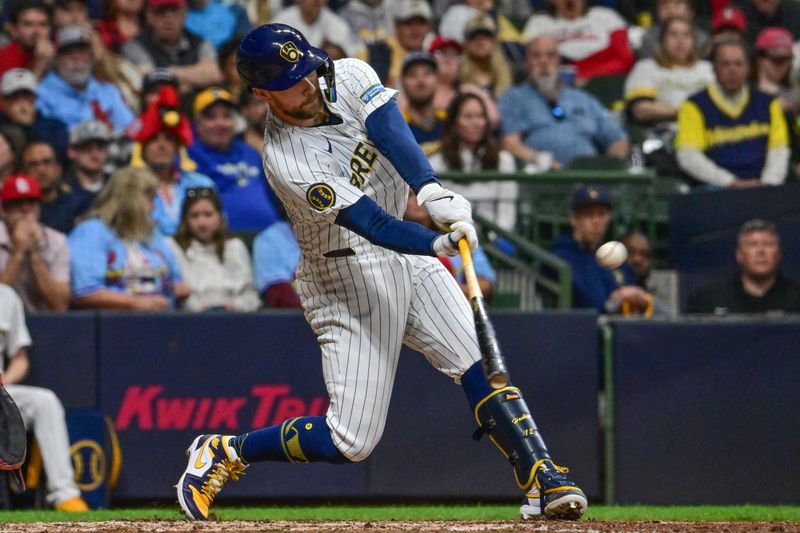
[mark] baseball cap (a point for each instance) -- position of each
(776, 42)
(587, 195)
(20, 187)
(162, 3)
(89, 130)
(73, 36)
(729, 17)
(64, 3)
(210, 96)
(16, 80)
(409, 9)
(441, 42)
(415, 58)
(480, 25)
(157, 76)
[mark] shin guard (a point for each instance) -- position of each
(505, 417)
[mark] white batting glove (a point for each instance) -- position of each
(444, 206)
(447, 244)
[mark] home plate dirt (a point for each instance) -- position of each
(181, 526)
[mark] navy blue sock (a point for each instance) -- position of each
(304, 439)
(475, 385)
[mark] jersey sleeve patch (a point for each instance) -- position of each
(321, 196)
(371, 92)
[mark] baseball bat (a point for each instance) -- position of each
(494, 366)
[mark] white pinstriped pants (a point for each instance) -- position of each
(363, 309)
(42, 411)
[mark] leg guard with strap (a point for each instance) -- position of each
(504, 416)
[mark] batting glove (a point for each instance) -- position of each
(444, 206)
(447, 244)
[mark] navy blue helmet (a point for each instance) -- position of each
(276, 56)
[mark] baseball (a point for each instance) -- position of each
(611, 255)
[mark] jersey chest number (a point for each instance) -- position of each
(361, 163)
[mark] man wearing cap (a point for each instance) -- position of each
(165, 43)
(163, 133)
(592, 285)
(88, 153)
(320, 25)
(18, 89)
(726, 23)
(234, 166)
(30, 45)
(762, 14)
(541, 114)
(418, 84)
(60, 205)
(731, 134)
(71, 94)
(413, 21)
(34, 259)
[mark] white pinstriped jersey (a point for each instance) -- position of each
(316, 171)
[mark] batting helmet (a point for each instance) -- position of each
(276, 56)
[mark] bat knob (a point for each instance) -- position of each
(498, 381)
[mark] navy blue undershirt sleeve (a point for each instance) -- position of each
(367, 219)
(388, 130)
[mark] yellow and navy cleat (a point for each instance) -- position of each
(212, 462)
(553, 494)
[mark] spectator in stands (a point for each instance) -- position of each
(71, 94)
(468, 146)
(226, 55)
(666, 9)
(217, 21)
(455, 19)
(163, 136)
(640, 256)
(152, 83)
(121, 22)
(30, 45)
(607, 291)
(18, 89)
(70, 13)
(593, 39)
(216, 267)
(164, 43)
(413, 21)
(34, 259)
(762, 14)
(758, 286)
(541, 114)
(10, 143)
(118, 259)
(483, 63)
(731, 134)
(418, 85)
(656, 87)
(234, 166)
(254, 111)
(88, 155)
(40, 408)
(372, 21)
(773, 70)
(275, 259)
(483, 269)
(60, 205)
(727, 23)
(320, 25)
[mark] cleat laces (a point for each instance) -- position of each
(219, 476)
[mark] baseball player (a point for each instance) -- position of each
(340, 157)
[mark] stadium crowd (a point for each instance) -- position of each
(130, 165)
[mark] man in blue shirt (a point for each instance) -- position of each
(541, 114)
(592, 285)
(233, 165)
(71, 94)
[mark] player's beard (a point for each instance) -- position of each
(307, 110)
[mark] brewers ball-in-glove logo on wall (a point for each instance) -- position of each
(289, 52)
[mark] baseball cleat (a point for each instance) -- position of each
(558, 496)
(212, 462)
